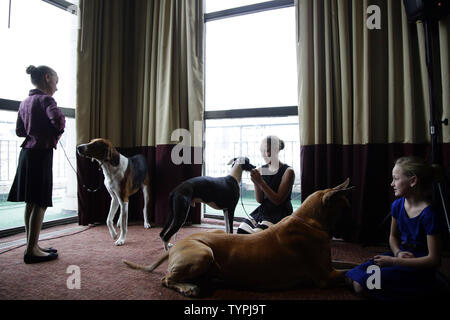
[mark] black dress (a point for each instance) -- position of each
(268, 211)
(33, 182)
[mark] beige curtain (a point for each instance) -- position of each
(363, 99)
(140, 77)
(359, 86)
(140, 73)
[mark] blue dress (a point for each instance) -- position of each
(398, 282)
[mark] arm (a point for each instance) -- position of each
(20, 127)
(277, 198)
(432, 260)
(259, 194)
(394, 241)
(55, 116)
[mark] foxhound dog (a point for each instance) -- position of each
(123, 177)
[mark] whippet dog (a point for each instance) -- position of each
(218, 193)
(123, 177)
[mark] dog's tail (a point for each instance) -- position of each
(149, 268)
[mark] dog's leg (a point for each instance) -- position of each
(168, 223)
(112, 212)
(227, 223)
(176, 234)
(119, 221)
(229, 217)
(179, 207)
(186, 268)
(186, 289)
(123, 223)
(336, 278)
(145, 191)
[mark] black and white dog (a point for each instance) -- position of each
(219, 193)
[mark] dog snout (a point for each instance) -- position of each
(81, 149)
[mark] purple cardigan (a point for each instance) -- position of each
(40, 121)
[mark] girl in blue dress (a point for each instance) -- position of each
(408, 270)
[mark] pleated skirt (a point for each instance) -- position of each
(33, 182)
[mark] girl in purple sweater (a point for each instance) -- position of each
(41, 123)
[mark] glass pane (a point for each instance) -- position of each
(251, 61)
(229, 138)
(64, 178)
(40, 34)
(219, 5)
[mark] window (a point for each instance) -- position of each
(250, 88)
(39, 34)
(36, 32)
(251, 61)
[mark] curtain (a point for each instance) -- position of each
(363, 101)
(140, 78)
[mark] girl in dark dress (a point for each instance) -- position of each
(273, 187)
(408, 270)
(41, 123)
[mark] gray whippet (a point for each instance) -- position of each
(219, 193)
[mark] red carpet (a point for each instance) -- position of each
(105, 277)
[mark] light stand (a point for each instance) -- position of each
(435, 125)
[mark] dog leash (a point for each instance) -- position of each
(76, 173)
(242, 203)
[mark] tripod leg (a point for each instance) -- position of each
(443, 205)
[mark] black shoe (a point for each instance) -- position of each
(28, 259)
(50, 250)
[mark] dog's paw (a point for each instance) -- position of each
(147, 225)
(167, 246)
(192, 292)
(120, 242)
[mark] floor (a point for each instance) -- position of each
(88, 251)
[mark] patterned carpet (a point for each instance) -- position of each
(105, 277)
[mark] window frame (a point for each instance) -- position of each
(275, 111)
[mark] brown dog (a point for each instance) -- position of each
(295, 250)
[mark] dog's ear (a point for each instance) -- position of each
(112, 156)
(232, 161)
(334, 194)
(115, 159)
(343, 185)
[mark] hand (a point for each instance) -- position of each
(256, 177)
(405, 255)
(383, 261)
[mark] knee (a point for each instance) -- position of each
(359, 289)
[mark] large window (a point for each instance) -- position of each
(37, 32)
(250, 88)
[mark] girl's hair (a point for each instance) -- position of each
(38, 74)
(269, 140)
(425, 173)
